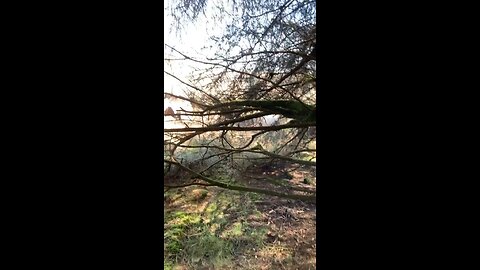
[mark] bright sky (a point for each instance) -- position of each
(190, 42)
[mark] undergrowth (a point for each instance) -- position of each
(211, 231)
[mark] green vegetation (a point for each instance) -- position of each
(240, 182)
(212, 232)
(307, 181)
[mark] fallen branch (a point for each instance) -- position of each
(187, 185)
(223, 128)
(256, 151)
(242, 188)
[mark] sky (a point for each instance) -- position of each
(190, 42)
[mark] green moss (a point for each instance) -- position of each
(307, 181)
(167, 265)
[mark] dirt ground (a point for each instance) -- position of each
(289, 226)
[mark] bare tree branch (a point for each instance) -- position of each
(214, 128)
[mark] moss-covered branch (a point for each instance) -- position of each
(223, 128)
(288, 108)
(242, 188)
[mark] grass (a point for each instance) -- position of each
(167, 265)
(209, 229)
(214, 228)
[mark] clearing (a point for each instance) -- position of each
(214, 228)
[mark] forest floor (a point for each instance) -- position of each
(214, 228)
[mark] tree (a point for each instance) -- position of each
(264, 65)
